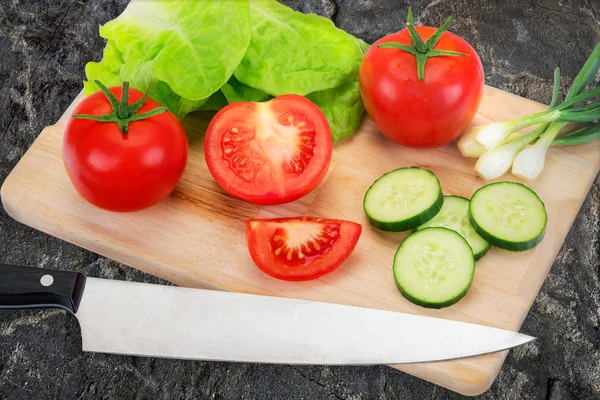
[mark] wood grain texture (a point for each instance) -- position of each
(195, 237)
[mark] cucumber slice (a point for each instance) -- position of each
(403, 199)
(509, 215)
(455, 215)
(434, 267)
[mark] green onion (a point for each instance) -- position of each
(583, 135)
(495, 162)
(494, 134)
(587, 73)
(468, 146)
(500, 145)
(529, 163)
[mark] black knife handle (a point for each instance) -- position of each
(27, 287)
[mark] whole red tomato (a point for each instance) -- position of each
(427, 112)
(130, 163)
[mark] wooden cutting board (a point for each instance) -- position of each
(195, 237)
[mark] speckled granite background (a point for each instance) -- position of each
(44, 46)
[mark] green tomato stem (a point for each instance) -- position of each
(114, 103)
(148, 114)
(439, 53)
(409, 18)
(416, 39)
(433, 39)
(395, 45)
(418, 48)
(421, 61)
(122, 113)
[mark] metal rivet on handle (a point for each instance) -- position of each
(47, 280)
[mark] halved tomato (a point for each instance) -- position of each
(300, 248)
(269, 153)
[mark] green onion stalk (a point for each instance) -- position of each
(529, 163)
(500, 145)
(495, 162)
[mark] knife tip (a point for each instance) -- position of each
(527, 339)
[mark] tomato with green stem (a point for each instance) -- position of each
(122, 150)
(421, 86)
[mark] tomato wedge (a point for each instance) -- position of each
(269, 153)
(300, 248)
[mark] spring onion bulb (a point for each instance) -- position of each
(495, 134)
(495, 162)
(501, 144)
(529, 163)
(468, 146)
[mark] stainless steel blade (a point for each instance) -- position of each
(165, 321)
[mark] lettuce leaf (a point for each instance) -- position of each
(342, 107)
(185, 50)
(215, 102)
(235, 91)
(292, 52)
(107, 71)
(162, 93)
(202, 55)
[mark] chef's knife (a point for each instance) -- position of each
(166, 321)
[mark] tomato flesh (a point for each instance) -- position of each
(269, 153)
(301, 248)
(428, 113)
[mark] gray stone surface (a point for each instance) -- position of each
(44, 46)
